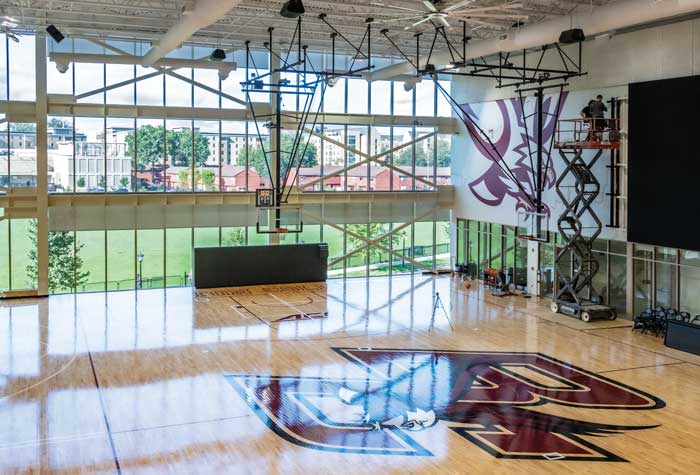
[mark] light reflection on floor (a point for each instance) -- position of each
(159, 358)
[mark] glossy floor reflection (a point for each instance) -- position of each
(343, 377)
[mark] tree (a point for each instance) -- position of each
(444, 152)
(150, 148)
(256, 157)
(405, 157)
(23, 127)
(375, 230)
(65, 263)
(446, 228)
(423, 159)
(236, 236)
(180, 144)
(183, 178)
(102, 182)
(208, 180)
(81, 182)
(124, 182)
(202, 176)
(58, 123)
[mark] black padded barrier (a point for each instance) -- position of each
(258, 265)
(683, 336)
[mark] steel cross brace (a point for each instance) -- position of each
(375, 242)
(367, 158)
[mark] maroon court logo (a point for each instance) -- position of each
(491, 399)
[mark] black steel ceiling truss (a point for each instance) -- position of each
(504, 70)
(509, 74)
(363, 51)
(309, 88)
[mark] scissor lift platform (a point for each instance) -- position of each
(575, 295)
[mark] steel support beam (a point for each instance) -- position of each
(42, 168)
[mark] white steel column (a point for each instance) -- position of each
(42, 168)
(629, 284)
(533, 268)
(274, 79)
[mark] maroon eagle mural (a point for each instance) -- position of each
(513, 133)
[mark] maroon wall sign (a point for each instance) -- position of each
(489, 398)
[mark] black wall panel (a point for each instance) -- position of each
(257, 265)
(664, 163)
(683, 336)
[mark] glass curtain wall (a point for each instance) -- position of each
(482, 244)
(121, 154)
(667, 277)
(152, 258)
(155, 154)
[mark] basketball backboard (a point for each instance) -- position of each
(280, 219)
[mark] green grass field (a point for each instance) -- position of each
(111, 256)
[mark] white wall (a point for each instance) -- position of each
(615, 60)
(485, 192)
(612, 62)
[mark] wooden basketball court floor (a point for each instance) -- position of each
(336, 378)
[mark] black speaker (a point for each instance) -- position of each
(572, 36)
(55, 34)
(218, 55)
(292, 9)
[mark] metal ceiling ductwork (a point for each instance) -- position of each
(203, 14)
(598, 20)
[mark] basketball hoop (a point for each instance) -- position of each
(285, 219)
(532, 226)
(524, 238)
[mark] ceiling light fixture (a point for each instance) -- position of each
(292, 9)
(575, 35)
(410, 84)
(8, 22)
(218, 55)
(62, 66)
(55, 34)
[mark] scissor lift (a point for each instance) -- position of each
(575, 295)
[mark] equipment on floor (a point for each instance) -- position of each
(655, 320)
(677, 328)
(437, 303)
(498, 280)
(466, 271)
